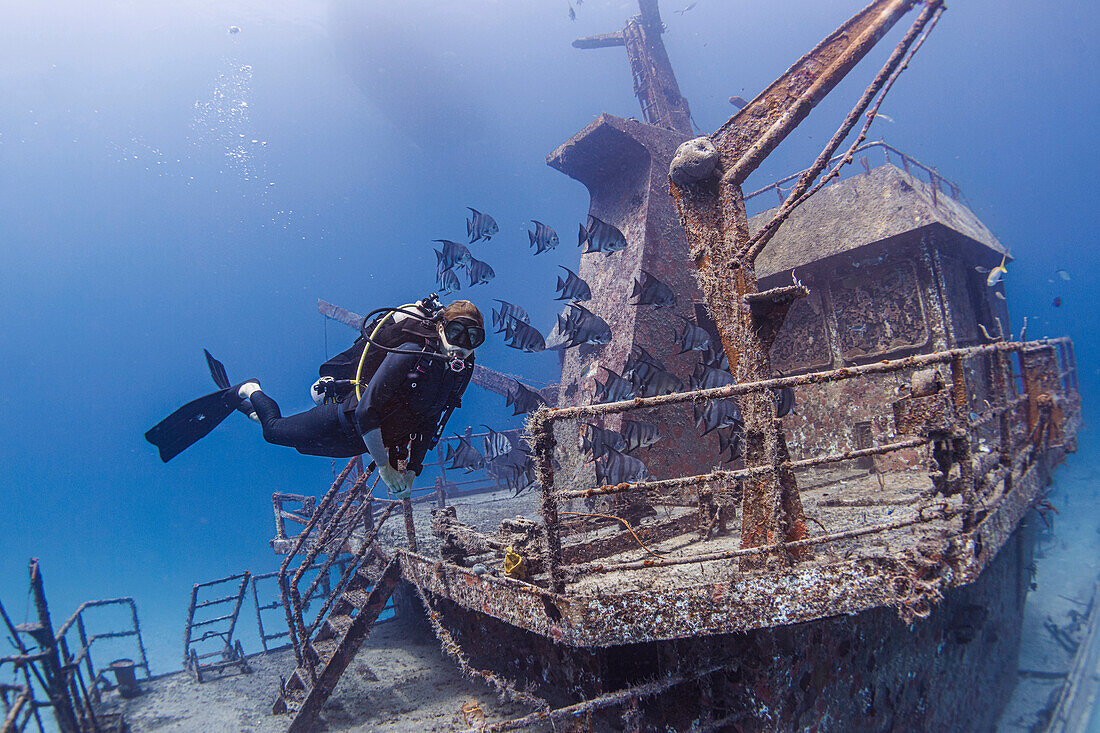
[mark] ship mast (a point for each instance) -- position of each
(705, 179)
(654, 82)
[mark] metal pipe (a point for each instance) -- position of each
(741, 472)
(886, 366)
(920, 518)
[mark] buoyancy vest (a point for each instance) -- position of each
(393, 333)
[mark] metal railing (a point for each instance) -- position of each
(83, 654)
(343, 521)
(69, 682)
(936, 183)
(229, 653)
(18, 708)
(301, 509)
(1015, 424)
(322, 590)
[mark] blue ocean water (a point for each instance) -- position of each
(167, 185)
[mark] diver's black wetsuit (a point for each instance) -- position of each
(405, 398)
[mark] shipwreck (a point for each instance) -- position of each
(861, 563)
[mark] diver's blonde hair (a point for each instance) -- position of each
(462, 309)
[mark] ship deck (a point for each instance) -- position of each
(883, 538)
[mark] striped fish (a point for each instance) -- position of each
(523, 336)
(601, 237)
(692, 338)
(573, 287)
(496, 444)
(508, 312)
(598, 441)
(448, 282)
(717, 414)
(480, 226)
(617, 468)
(543, 238)
(730, 440)
(614, 388)
(523, 400)
(651, 291)
(659, 382)
(640, 365)
(453, 254)
(706, 377)
(479, 272)
(465, 456)
(639, 435)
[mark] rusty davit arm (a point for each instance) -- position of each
(705, 180)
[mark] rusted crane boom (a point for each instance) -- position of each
(705, 180)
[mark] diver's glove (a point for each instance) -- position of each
(400, 482)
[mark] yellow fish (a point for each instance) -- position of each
(997, 273)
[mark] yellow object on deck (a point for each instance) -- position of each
(515, 564)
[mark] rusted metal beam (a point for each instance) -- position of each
(714, 477)
(705, 180)
(619, 697)
(655, 83)
(923, 516)
(750, 135)
(57, 688)
(886, 366)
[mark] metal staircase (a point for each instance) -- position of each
(341, 520)
(330, 651)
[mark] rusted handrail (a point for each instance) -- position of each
(934, 176)
(974, 483)
(733, 475)
(351, 568)
(718, 393)
(922, 516)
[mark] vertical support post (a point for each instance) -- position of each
(83, 634)
(56, 687)
(707, 509)
(960, 439)
(1004, 423)
(284, 589)
(543, 442)
(1072, 366)
(410, 527)
(441, 493)
(368, 511)
(140, 642)
(280, 523)
(259, 617)
(1063, 362)
(187, 628)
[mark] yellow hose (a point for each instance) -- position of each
(363, 356)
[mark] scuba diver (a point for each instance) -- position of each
(390, 394)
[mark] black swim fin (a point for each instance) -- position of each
(218, 373)
(178, 431)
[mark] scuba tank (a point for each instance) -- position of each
(381, 331)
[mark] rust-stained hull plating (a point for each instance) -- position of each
(868, 671)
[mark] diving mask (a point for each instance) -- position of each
(463, 333)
